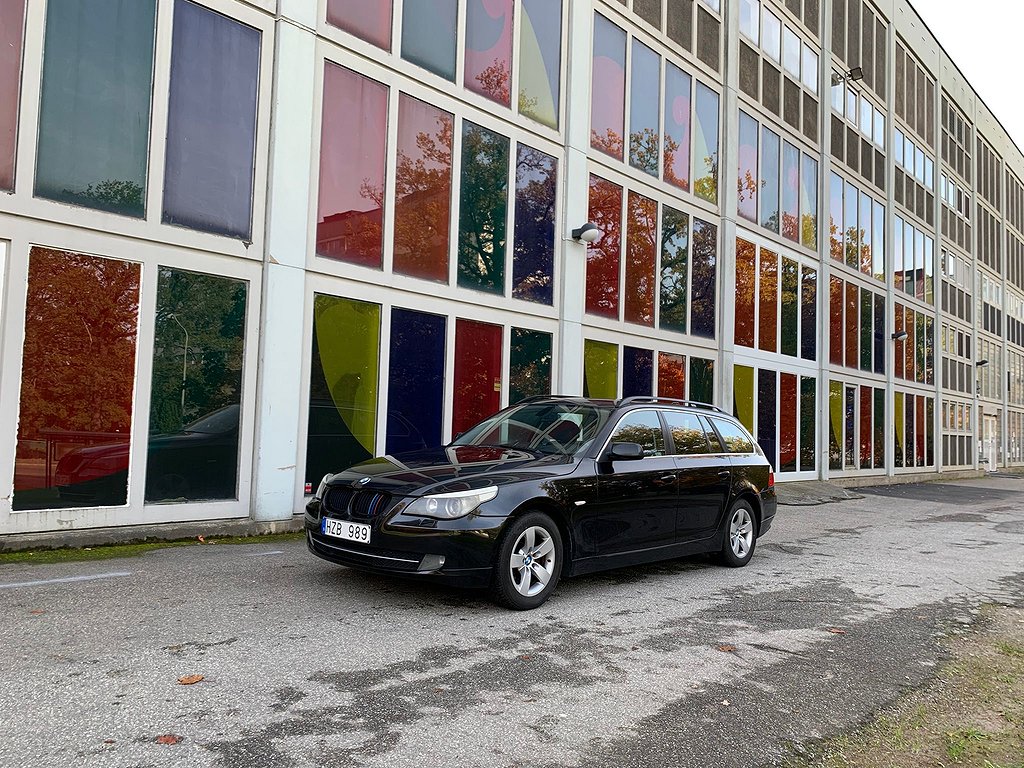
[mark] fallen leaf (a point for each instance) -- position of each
(36, 613)
(525, 657)
(190, 679)
(168, 738)
(108, 741)
(836, 630)
(727, 648)
(202, 540)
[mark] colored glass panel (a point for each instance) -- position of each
(768, 302)
(743, 395)
(879, 334)
(909, 346)
(929, 445)
(921, 349)
(637, 372)
(488, 68)
(603, 256)
(196, 390)
(644, 109)
(867, 342)
(641, 253)
(342, 385)
(808, 424)
(900, 353)
(211, 123)
(835, 213)
(878, 240)
(352, 160)
(705, 145)
(608, 88)
(12, 28)
(879, 428)
(678, 89)
(790, 192)
(790, 326)
(866, 256)
(897, 263)
(809, 202)
(898, 442)
(703, 291)
(675, 269)
(423, 190)
(533, 255)
(477, 392)
(767, 409)
(369, 21)
(851, 236)
(835, 321)
(908, 258)
(919, 276)
(483, 209)
(770, 180)
(540, 59)
(428, 35)
(852, 326)
(920, 431)
(529, 365)
(850, 410)
(929, 270)
(415, 381)
(866, 400)
(746, 271)
(746, 176)
(77, 383)
(809, 314)
(702, 380)
(600, 369)
(788, 413)
(94, 108)
(908, 430)
(929, 355)
(671, 376)
(835, 425)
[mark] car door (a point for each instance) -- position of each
(704, 473)
(636, 498)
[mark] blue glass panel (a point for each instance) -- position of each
(211, 122)
(428, 35)
(704, 271)
(637, 372)
(415, 381)
(534, 252)
(767, 382)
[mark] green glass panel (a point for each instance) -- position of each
(675, 268)
(835, 430)
(343, 385)
(483, 209)
(866, 329)
(196, 393)
(600, 369)
(790, 306)
(743, 395)
(94, 111)
(702, 380)
(808, 416)
(529, 365)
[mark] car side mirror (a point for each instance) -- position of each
(626, 452)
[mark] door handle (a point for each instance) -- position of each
(666, 478)
(724, 473)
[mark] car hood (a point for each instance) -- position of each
(455, 468)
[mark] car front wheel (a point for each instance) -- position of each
(528, 563)
(740, 535)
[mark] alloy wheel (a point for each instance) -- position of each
(741, 533)
(533, 561)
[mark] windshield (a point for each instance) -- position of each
(217, 423)
(556, 428)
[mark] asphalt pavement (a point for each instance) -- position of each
(843, 608)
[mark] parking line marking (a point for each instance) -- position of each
(264, 554)
(65, 580)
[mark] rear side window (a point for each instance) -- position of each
(687, 432)
(641, 427)
(734, 438)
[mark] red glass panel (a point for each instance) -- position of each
(489, 48)
(671, 376)
(603, 256)
(78, 380)
(423, 190)
(370, 21)
(641, 247)
(909, 347)
(12, 26)
(866, 402)
(608, 88)
(900, 352)
(920, 430)
(835, 321)
(352, 158)
(746, 264)
(477, 373)
(787, 422)
(852, 328)
(768, 312)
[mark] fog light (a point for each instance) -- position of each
(431, 562)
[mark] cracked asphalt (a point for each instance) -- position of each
(843, 608)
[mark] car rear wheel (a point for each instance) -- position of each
(529, 562)
(740, 535)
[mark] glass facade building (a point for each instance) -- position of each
(239, 251)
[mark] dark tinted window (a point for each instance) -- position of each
(641, 427)
(687, 432)
(735, 439)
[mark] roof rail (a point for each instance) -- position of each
(669, 401)
(534, 398)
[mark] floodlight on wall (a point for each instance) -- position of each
(588, 233)
(900, 336)
(852, 76)
(981, 363)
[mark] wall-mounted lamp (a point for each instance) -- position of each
(855, 74)
(900, 336)
(981, 363)
(588, 233)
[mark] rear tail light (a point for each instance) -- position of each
(771, 478)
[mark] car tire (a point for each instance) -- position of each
(528, 563)
(739, 535)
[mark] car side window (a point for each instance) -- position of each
(735, 439)
(643, 427)
(687, 433)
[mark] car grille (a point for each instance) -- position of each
(337, 499)
(369, 504)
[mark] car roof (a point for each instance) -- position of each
(624, 402)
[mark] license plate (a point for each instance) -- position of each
(342, 529)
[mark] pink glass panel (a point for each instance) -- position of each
(603, 256)
(12, 26)
(608, 88)
(477, 373)
(677, 126)
(489, 48)
(423, 190)
(641, 246)
(352, 158)
(368, 19)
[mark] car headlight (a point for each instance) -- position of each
(320, 491)
(448, 506)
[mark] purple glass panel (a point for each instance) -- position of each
(12, 26)
(370, 21)
(790, 192)
(608, 88)
(415, 381)
(533, 255)
(746, 176)
(489, 48)
(677, 127)
(705, 271)
(637, 372)
(767, 409)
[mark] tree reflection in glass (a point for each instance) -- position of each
(534, 250)
(483, 209)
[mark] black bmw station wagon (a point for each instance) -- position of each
(552, 487)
